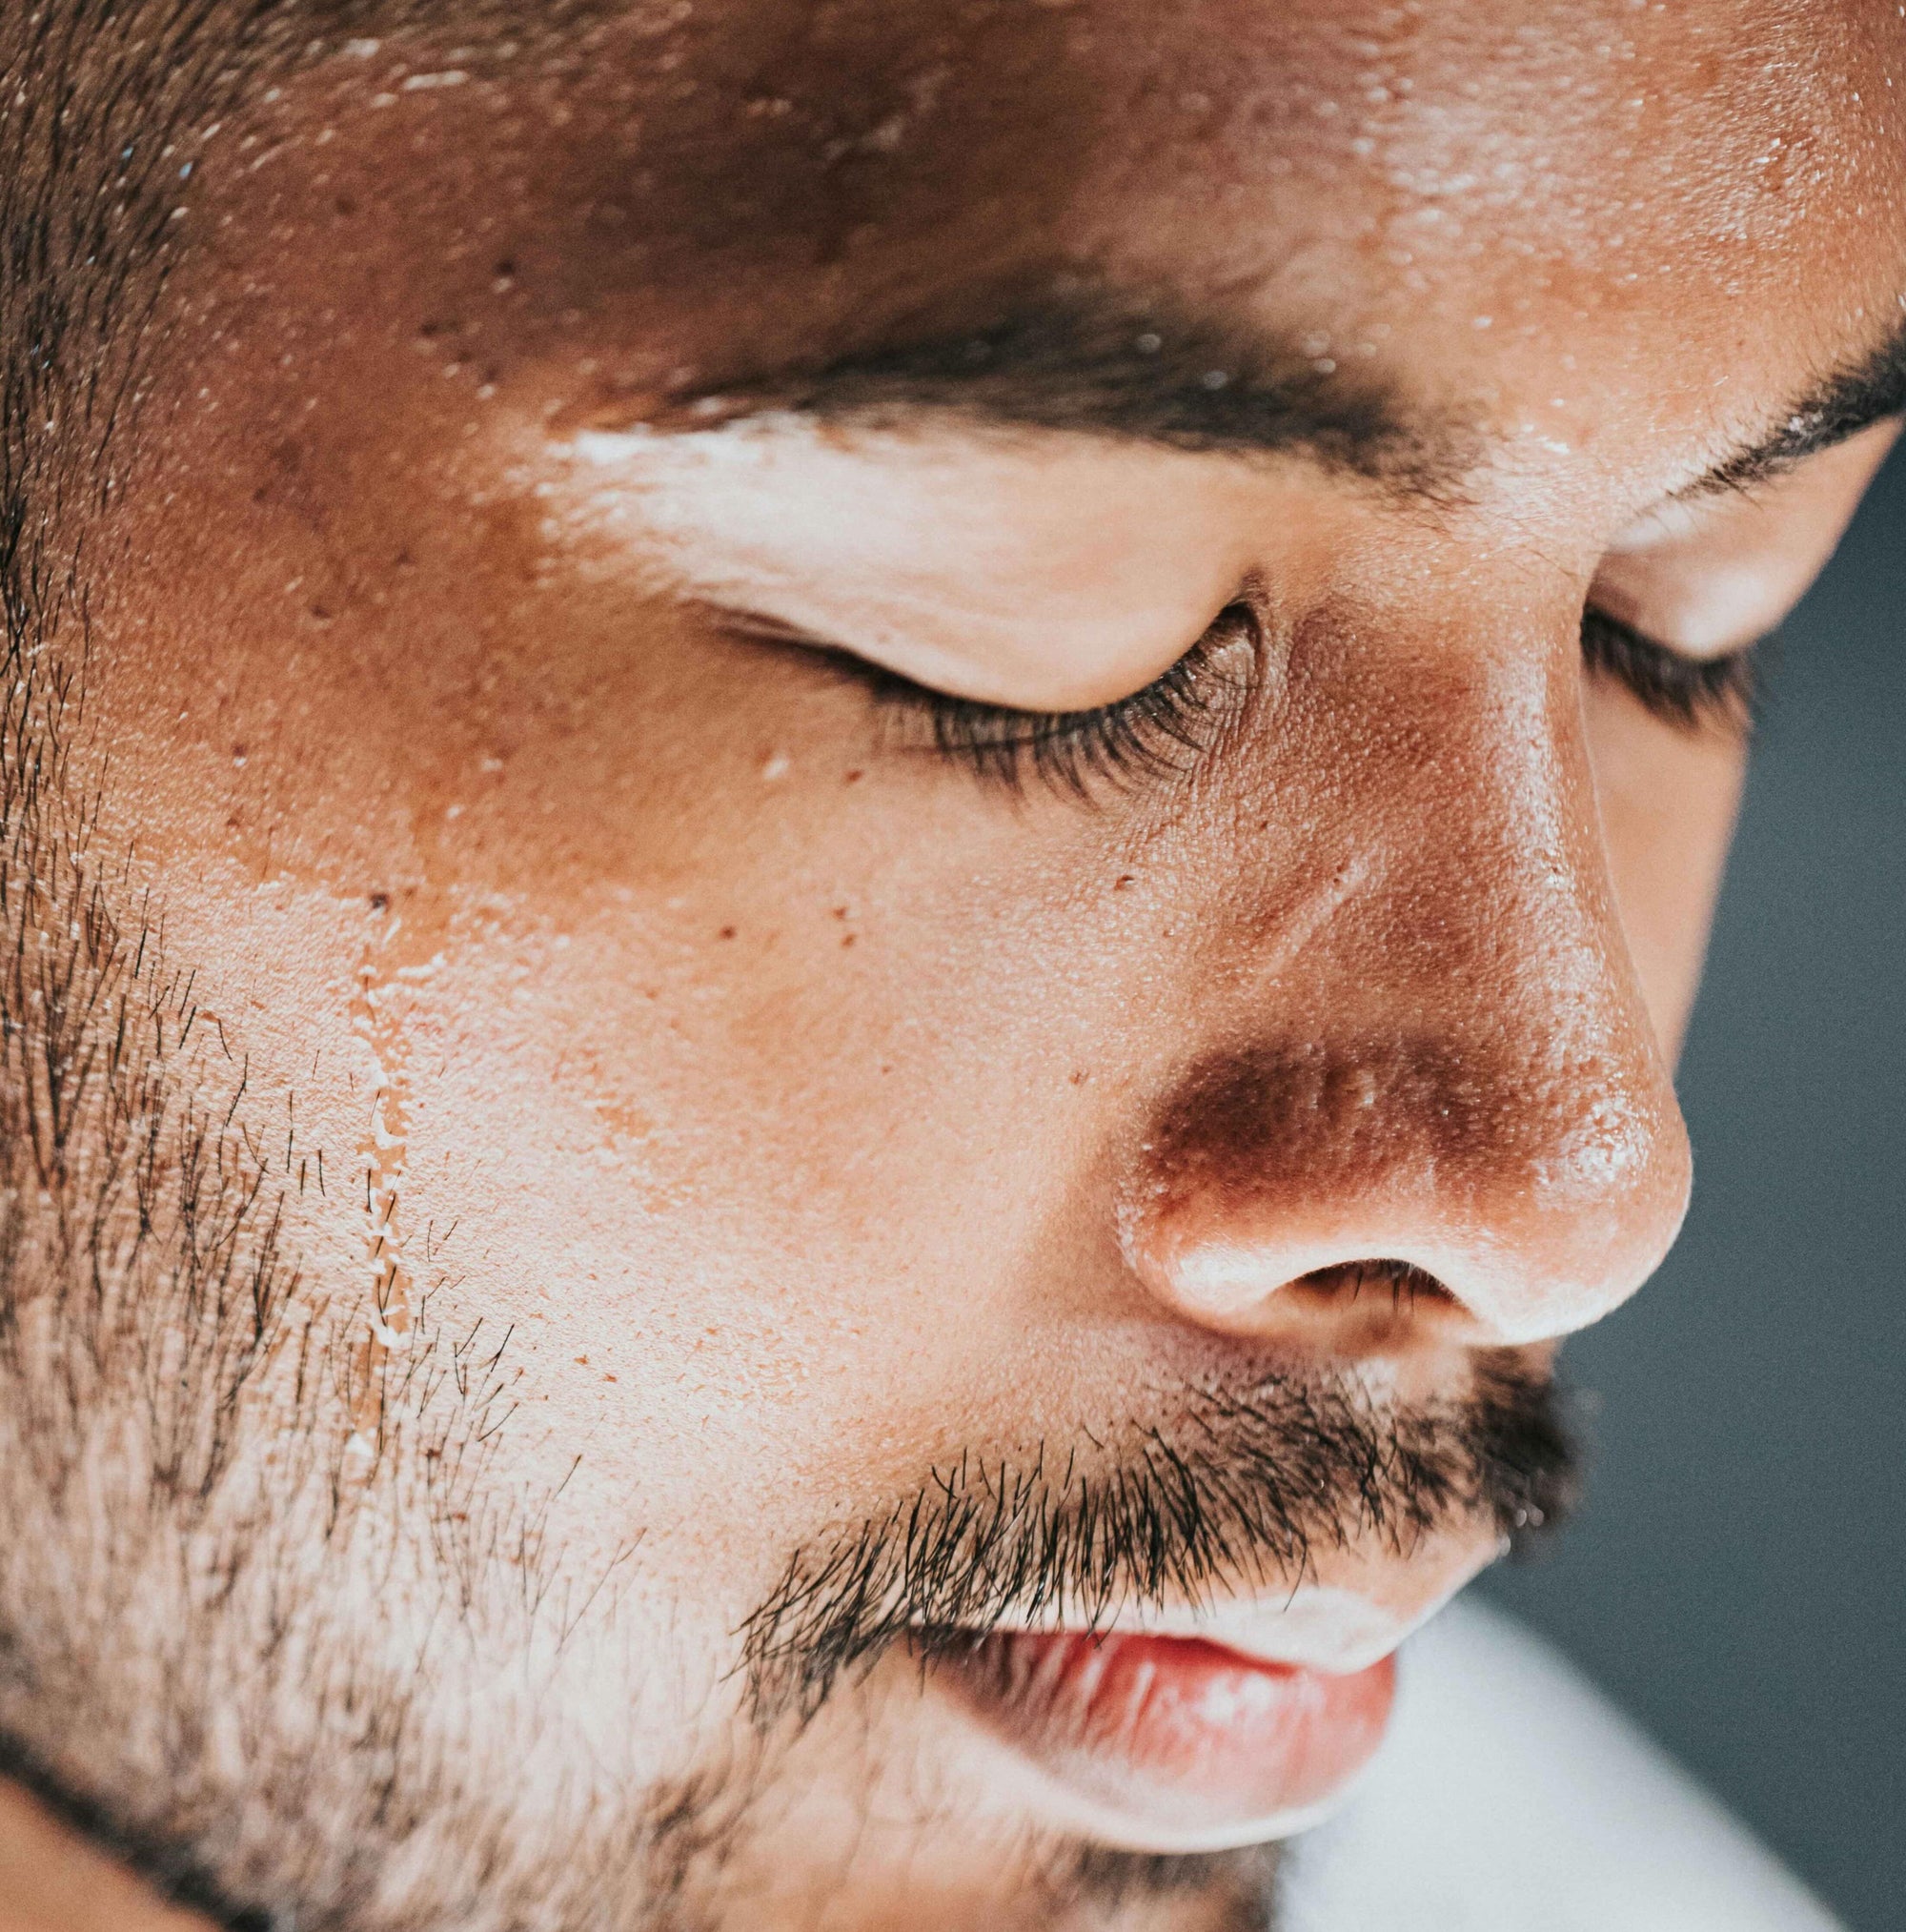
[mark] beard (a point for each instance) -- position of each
(295, 1686)
(1242, 1484)
(280, 1625)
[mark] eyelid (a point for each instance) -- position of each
(1687, 692)
(1151, 735)
(1154, 734)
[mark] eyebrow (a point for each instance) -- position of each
(1853, 398)
(1098, 366)
(1092, 365)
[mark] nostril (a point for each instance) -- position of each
(1405, 1283)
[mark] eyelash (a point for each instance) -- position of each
(1156, 731)
(1153, 734)
(1689, 693)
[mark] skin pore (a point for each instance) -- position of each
(559, 1104)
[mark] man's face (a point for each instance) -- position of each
(818, 866)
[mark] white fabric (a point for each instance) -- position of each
(1511, 1798)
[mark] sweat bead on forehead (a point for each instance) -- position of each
(741, 185)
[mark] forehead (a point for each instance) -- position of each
(1698, 202)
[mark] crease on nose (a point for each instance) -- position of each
(1535, 1191)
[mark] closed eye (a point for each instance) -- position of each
(1159, 732)
(1689, 693)
(1153, 735)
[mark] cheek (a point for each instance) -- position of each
(1667, 801)
(636, 1000)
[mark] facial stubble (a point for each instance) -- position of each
(155, 1331)
(178, 1391)
(184, 1519)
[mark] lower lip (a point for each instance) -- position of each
(1172, 1742)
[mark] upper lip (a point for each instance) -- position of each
(1311, 1626)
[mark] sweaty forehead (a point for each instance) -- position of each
(1552, 126)
(1458, 194)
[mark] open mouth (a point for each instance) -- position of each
(1176, 1742)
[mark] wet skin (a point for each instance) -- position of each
(810, 1110)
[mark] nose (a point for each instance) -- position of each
(1434, 1072)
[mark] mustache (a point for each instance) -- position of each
(1241, 1486)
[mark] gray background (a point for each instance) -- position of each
(1738, 1577)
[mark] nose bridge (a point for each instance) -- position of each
(1453, 1068)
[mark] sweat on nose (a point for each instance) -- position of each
(1278, 1187)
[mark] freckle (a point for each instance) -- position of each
(1079, 1078)
(840, 912)
(582, 1361)
(608, 1379)
(846, 939)
(852, 778)
(727, 932)
(1123, 880)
